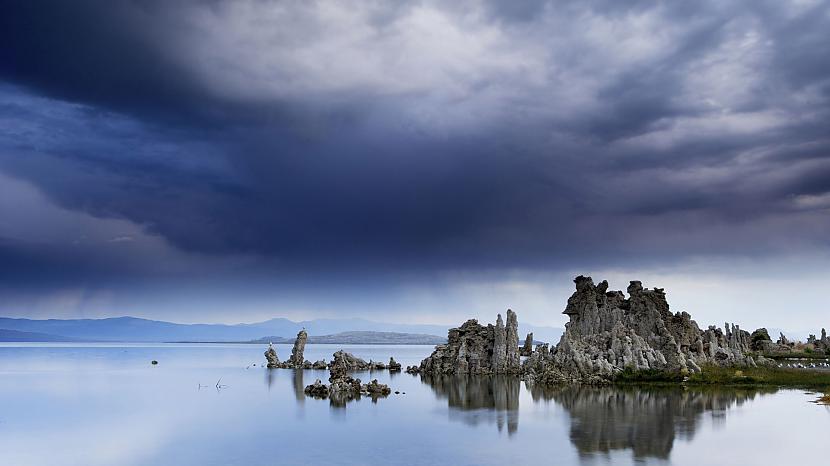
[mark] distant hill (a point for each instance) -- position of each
(144, 330)
(16, 336)
(364, 338)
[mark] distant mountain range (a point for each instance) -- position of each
(364, 338)
(143, 330)
(16, 336)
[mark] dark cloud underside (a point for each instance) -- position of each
(315, 138)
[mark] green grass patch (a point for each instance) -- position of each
(630, 375)
(724, 376)
(777, 376)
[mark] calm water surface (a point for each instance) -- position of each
(98, 404)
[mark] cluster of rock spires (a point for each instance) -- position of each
(607, 334)
(527, 348)
(822, 343)
(342, 385)
(296, 360)
(475, 349)
(762, 342)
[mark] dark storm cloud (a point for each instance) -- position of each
(542, 135)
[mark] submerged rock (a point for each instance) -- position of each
(318, 389)
(375, 388)
(349, 361)
(342, 386)
(393, 365)
(340, 381)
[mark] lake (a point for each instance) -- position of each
(105, 404)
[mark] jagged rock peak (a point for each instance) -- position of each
(271, 357)
(608, 332)
(473, 348)
(527, 348)
(297, 351)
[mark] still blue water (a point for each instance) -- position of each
(99, 404)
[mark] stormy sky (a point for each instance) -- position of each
(418, 161)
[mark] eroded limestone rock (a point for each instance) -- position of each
(271, 357)
(527, 349)
(318, 389)
(375, 388)
(608, 333)
(343, 387)
(296, 360)
(760, 340)
(350, 361)
(394, 366)
(475, 349)
(819, 344)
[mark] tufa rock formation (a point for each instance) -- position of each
(760, 340)
(374, 388)
(343, 387)
(394, 366)
(819, 344)
(475, 349)
(350, 362)
(608, 333)
(296, 360)
(527, 349)
(271, 357)
(317, 390)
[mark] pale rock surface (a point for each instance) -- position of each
(608, 333)
(476, 349)
(296, 360)
(271, 357)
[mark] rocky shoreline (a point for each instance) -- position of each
(607, 334)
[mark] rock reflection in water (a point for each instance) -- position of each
(473, 399)
(643, 420)
(297, 382)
